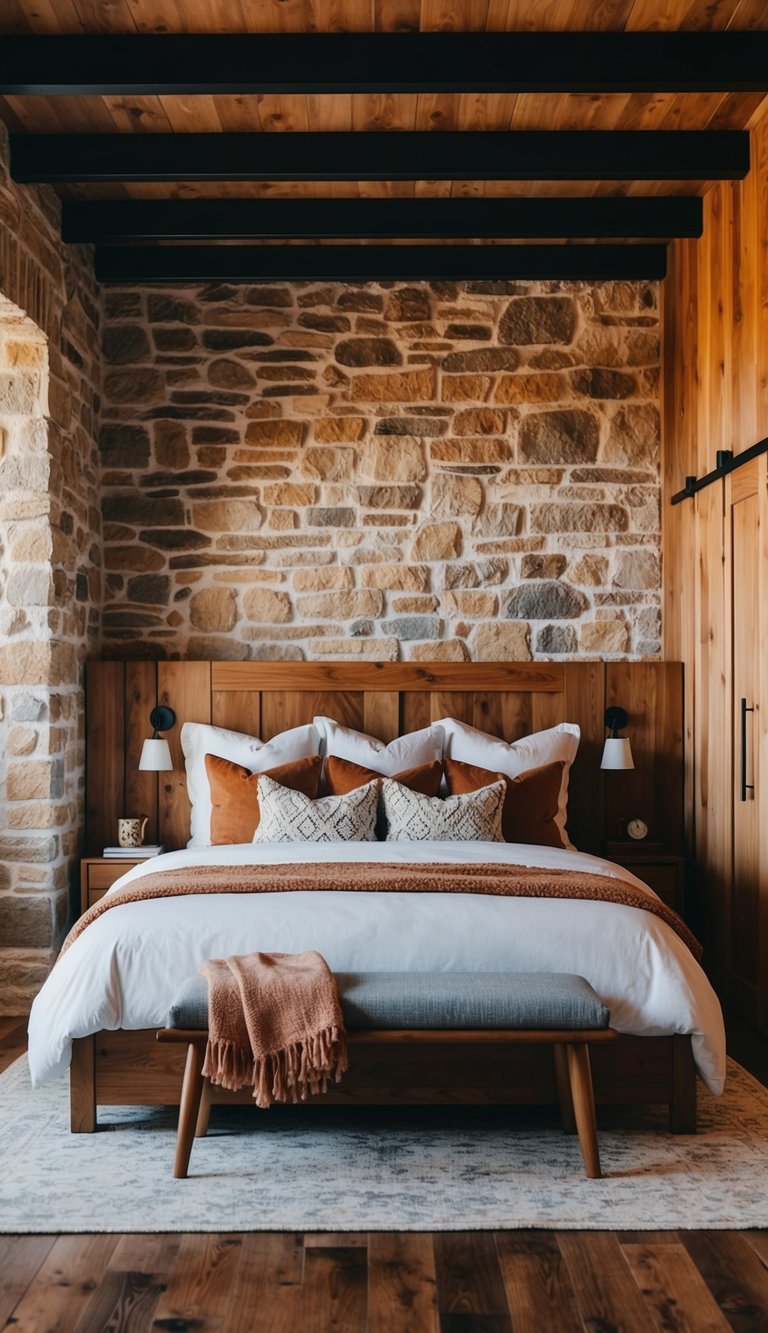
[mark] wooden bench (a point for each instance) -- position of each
(556, 1009)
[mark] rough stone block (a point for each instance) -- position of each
(437, 541)
(17, 850)
(556, 639)
(566, 436)
(400, 578)
(538, 319)
(19, 393)
(368, 352)
(454, 496)
(262, 604)
(122, 343)
(549, 600)
(343, 605)
(578, 518)
(213, 610)
(228, 515)
(407, 386)
(389, 497)
(26, 920)
(399, 459)
(603, 636)
(496, 642)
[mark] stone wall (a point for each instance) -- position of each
(437, 470)
(50, 579)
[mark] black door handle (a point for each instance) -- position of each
(745, 786)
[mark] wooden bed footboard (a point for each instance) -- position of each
(132, 1069)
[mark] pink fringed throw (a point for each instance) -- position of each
(275, 1024)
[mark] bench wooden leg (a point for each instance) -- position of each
(580, 1076)
(564, 1088)
(191, 1094)
(204, 1114)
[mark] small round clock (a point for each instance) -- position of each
(637, 829)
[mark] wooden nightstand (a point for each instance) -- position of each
(664, 872)
(98, 873)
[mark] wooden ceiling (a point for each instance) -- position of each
(380, 112)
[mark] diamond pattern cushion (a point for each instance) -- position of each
(290, 816)
(530, 804)
(411, 817)
(514, 1000)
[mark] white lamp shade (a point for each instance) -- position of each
(617, 753)
(156, 756)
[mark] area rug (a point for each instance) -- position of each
(373, 1169)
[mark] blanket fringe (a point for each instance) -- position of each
(287, 1075)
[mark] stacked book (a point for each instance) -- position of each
(133, 853)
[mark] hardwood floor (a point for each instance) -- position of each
(453, 1282)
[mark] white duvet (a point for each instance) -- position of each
(125, 968)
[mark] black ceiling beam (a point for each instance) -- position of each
(115, 221)
(434, 62)
(415, 155)
(371, 263)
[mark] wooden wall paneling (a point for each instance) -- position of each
(651, 693)
(123, 694)
(761, 741)
(239, 710)
(381, 714)
(743, 531)
(584, 704)
(456, 704)
(629, 794)
(186, 688)
(105, 749)
(713, 739)
(759, 149)
(744, 242)
(283, 709)
(351, 676)
(508, 714)
(547, 710)
(141, 789)
(415, 710)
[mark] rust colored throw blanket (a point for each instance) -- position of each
(274, 1024)
(506, 881)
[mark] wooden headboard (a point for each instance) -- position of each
(388, 699)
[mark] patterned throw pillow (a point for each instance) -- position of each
(290, 816)
(412, 817)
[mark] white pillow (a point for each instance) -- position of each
(290, 816)
(471, 746)
(474, 817)
(199, 739)
(418, 747)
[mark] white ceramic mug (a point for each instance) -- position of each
(130, 832)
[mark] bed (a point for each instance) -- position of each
(111, 990)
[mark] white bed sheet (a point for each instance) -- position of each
(125, 968)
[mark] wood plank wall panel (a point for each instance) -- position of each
(509, 703)
(141, 789)
(585, 704)
(716, 397)
(237, 710)
(104, 752)
(186, 688)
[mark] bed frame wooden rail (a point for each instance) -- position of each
(388, 699)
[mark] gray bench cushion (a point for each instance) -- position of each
(441, 1000)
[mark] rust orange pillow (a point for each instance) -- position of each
(531, 802)
(342, 776)
(235, 797)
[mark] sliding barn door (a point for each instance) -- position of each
(748, 898)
